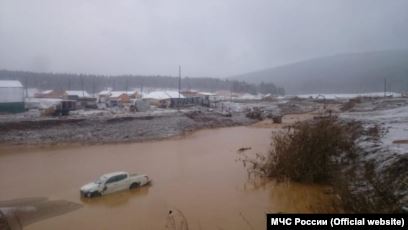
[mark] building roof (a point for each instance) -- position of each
(47, 91)
(10, 84)
(78, 93)
(207, 94)
(189, 91)
(119, 93)
(116, 94)
(162, 95)
(105, 92)
(248, 96)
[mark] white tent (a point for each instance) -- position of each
(77, 93)
(162, 95)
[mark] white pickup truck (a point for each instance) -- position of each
(114, 182)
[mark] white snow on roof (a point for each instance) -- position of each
(206, 93)
(248, 96)
(162, 95)
(47, 91)
(190, 91)
(78, 93)
(10, 84)
(105, 92)
(118, 93)
(174, 94)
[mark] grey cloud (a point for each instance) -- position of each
(209, 38)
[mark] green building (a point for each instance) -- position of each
(11, 97)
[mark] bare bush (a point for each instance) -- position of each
(304, 152)
(326, 151)
(366, 193)
(351, 104)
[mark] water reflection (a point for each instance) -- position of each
(18, 213)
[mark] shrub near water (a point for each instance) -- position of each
(325, 151)
(304, 153)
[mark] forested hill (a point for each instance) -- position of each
(346, 73)
(96, 83)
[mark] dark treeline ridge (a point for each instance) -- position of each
(95, 83)
(343, 73)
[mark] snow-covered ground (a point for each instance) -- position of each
(348, 95)
(394, 122)
(386, 153)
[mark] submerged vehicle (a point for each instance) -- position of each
(114, 182)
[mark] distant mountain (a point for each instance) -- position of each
(346, 73)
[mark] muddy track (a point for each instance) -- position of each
(37, 124)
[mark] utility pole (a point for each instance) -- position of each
(26, 87)
(179, 82)
(93, 86)
(179, 88)
(385, 87)
(82, 85)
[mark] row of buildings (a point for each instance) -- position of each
(15, 98)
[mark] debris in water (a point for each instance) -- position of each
(400, 142)
(244, 149)
(17, 214)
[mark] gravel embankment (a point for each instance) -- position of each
(380, 174)
(112, 129)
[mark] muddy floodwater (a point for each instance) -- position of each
(198, 174)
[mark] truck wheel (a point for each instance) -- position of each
(134, 185)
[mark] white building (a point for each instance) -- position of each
(11, 96)
(162, 98)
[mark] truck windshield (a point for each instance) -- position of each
(100, 180)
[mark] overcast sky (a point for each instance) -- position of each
(214, 38)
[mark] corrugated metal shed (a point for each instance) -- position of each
(11, 96)
(11, 91)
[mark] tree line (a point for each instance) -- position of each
(96, 83)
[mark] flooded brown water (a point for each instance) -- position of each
(198, 174)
